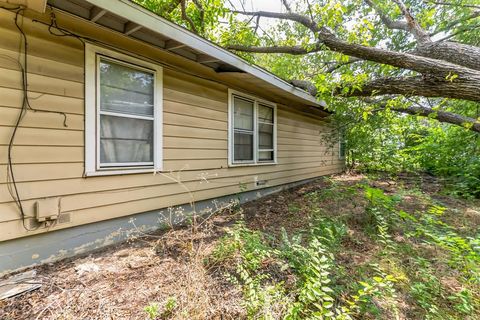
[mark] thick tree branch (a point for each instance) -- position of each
(418, 86)
(424, 65)
(442, 116)
(454, 52)
(402, 60)
(429, 112)
(305, 85)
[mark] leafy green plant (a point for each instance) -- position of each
(462, 302)
(152, 310)
(169, 307)
(464, 252)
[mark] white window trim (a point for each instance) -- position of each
(231, 163)
(92, 167)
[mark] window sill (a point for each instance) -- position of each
(233, 165)
(119, 172)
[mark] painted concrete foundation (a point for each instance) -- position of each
(56, 245)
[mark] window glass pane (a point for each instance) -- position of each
(265, 136)
(125, 90)
(265, 114)
(243, 114)
(243, 146)
(265, 156)
(125, 140)
(342, 149)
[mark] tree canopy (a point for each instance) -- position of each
(357, 48)
(392, 70)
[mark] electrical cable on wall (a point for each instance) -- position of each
(26, 106)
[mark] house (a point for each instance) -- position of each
(129, 120)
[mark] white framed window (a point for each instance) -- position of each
(123, 113)
(252, 130)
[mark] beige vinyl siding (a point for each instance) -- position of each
(49, 158)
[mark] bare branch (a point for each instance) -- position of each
(441, 3)
(307, 22)
(389, 23)
(287, 6)
(295, 50)
(452, 24)
(413, 26)
(186, 17)
(460, 31)
(339, 65)
(200, 8)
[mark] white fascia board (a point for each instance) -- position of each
(141, 16)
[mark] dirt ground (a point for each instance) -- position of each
(120, 281)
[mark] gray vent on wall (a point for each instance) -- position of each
(64, 218)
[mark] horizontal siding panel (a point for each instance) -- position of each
(188, 84)
(41, 44)
(39, 83)
(39, 189)
(185, 154)
(318, 137)
(298, 128)
(197, 111)
(194, 143)
(43, 171)
(38, 100)
(190, 99)
(37, 136)
(293, 141)
(190, 132)
(67, 163)
(300, 147)
(40, 119)
(43, 66)
(307, 119)
(192, 121)
(194, 164)
(42, 154)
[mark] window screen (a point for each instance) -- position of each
(126, 114)
(243, 120)
(253, 126)
(265, 133)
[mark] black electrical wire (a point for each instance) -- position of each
(11, 180)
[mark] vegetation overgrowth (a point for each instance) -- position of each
(362, 252)
(346, 247)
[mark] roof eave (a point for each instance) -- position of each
(145, 18)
